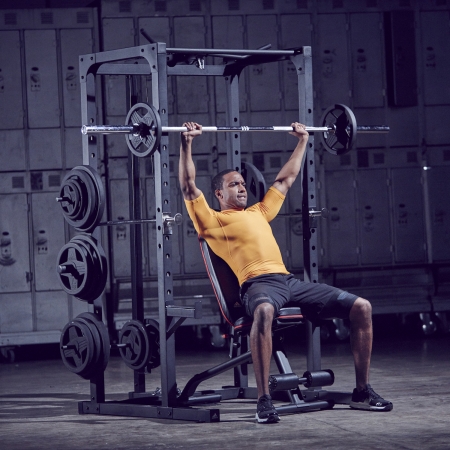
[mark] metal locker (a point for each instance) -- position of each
(15, 274)
(74, 42)
(73, 148)
(435, 45)
(192, 94)
(331, 66)
(48, 239)
(42, 79)
(228, 33)
(437, 131)
(120, 234)
(367, 60)
(16, 312)
(52, 310)
(406, 129)
(374, 216)
(12, 150)
(272, 142)
(439, 188)
(341, 223)
(158, 28)
(117, 33)
(116, 145)
(11, 112)
(151, 228)
(264, 82)
(295, 32)
(45, 149)
(408, 207)
(192, 257)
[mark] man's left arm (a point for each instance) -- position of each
(291, 169)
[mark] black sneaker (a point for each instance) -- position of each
(369, 400)
(265, 411)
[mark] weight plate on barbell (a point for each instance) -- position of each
(148, 125)
(343, 122)
(77, 348)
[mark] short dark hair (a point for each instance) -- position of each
(217, 181)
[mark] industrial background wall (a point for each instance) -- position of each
(388, 233)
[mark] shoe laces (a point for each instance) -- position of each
(372, 393)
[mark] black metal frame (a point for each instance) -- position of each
(162, 62)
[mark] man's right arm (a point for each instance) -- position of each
(186, 168)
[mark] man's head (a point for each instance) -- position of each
(229, 188)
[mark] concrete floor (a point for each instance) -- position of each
(38, 404)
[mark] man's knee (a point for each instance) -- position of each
(263, 314)
(361, 310)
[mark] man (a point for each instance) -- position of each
(243, 238)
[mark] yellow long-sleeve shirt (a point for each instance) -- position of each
(242, 238)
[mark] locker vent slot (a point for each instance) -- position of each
(82, 17)
(363, 158)
(268, 4)
(54, 180)
(18, 182)
(10, 19)
(46, 18)
(36, 181)
(160, 6)
(124, 6)
(233, 5)
(195, 5)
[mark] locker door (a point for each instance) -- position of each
(151, 212)
(117, 33)
(342, 230)
(191, 92)
(435, 50)
(332, 66)
(264, 83)
(228, 32)
(11, 113)
(73, 147)
(15, 254)
(158, 28)
(439, 188)
(48, 239)
(42, 79)
(374, 217)
(16, 313)
(52, 310)
(45, 149)
(74, 42)
(12, 150)
(367, 60)
(407, 204)
(295, 32)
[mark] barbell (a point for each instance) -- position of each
(143, 129)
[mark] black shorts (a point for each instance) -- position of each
(316, 300)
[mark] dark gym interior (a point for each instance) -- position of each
(99, 256)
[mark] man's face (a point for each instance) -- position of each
(233, 194)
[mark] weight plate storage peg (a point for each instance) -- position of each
(82, 198)
(82, 268)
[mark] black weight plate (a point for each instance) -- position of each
(147, 118)
(343, 121)
(71, 199)
(99, 273)
(104, 335)
(136, 352)
(98, 209)
(97, 349)
(78, 355)
(74, 280)
(152, 329)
